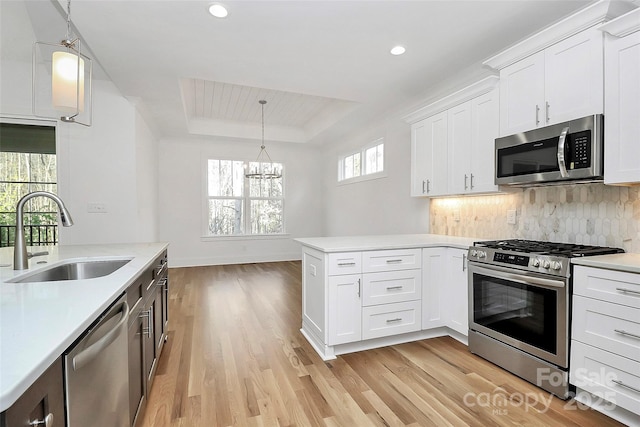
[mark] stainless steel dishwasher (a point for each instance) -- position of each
(96, 372)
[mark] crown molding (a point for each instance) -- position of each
(463, 95)
(597, 13)
(623, 25)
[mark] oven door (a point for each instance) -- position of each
(525, 310)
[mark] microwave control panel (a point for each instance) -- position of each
(579, 155)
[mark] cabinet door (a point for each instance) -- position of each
(419, 159)
(622, 109)
(42, 401)
(149, 341)
(459, 141)
(574, 78)
(345, 309)
(438, 155)
(434, 269)
(485, 129)
(136, 368)
(456, 291)
(522, 95)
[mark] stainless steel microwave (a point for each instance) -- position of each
(570, 151)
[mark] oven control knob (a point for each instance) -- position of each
(546, 264)
(482, 254)
(474, 253)
(556, 265)
(536, 262)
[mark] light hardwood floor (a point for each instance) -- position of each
(235, 356)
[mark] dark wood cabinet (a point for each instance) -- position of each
(147, 331)
(42, 402)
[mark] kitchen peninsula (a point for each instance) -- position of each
(40, 320)
(362, 292)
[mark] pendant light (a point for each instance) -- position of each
(263, 168)
(61, 85)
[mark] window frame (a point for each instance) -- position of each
(364, 176)
(246, 204)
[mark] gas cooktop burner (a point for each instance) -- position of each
(569, 250)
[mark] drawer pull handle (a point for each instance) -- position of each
(625, 290)
(629, 334)
(394, 288)
(47, 421)
(621, 384)
(397, 319)
(393, 261)
(346, 264)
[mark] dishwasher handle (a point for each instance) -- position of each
(90, 353)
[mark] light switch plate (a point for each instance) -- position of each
(511, 216)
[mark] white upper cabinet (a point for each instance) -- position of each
(460, 130)
(622, 100)
(484, 131)
(452, 148)
(555, 75)
(429, 156)
(563, 82)
(521, 94)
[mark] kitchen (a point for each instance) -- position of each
(129, 154)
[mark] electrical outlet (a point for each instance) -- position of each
(456, 215)
(511, 216)
(96, 208)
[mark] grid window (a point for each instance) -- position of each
(368, 161)
(238, 205)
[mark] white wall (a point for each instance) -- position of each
(112, 162)
(181, 198)
(380, 206)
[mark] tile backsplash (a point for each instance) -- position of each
(594, 214)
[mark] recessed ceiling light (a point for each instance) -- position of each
(218, 10)
(398, 50)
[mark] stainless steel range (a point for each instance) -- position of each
(520, 307)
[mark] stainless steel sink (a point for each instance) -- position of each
(73, 270)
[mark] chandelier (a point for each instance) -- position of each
(263, 167)
(61, 80)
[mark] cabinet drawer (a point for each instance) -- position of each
(391, 286)
(396, 259)
(390, 319)
(614, 378)
(607, 285)
(345, 263)
(611, 327)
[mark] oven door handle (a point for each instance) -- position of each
(519, 278)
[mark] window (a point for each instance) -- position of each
(240, 206)
(28, 163)
(363, 164)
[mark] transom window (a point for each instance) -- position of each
(241, 206)
(365, 163)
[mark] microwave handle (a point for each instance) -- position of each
(561, 160)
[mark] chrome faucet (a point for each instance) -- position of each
(20, 255)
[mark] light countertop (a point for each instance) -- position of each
(39, 321)
(629, 262)
(382, 242)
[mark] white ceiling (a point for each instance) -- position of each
(323, 66)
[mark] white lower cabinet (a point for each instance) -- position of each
(352, 301)
(390, 319)
(455, 291)
(605, 344)
(345, 309)
(434, 268)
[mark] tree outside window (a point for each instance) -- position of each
(27, 164)
(242, 206)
